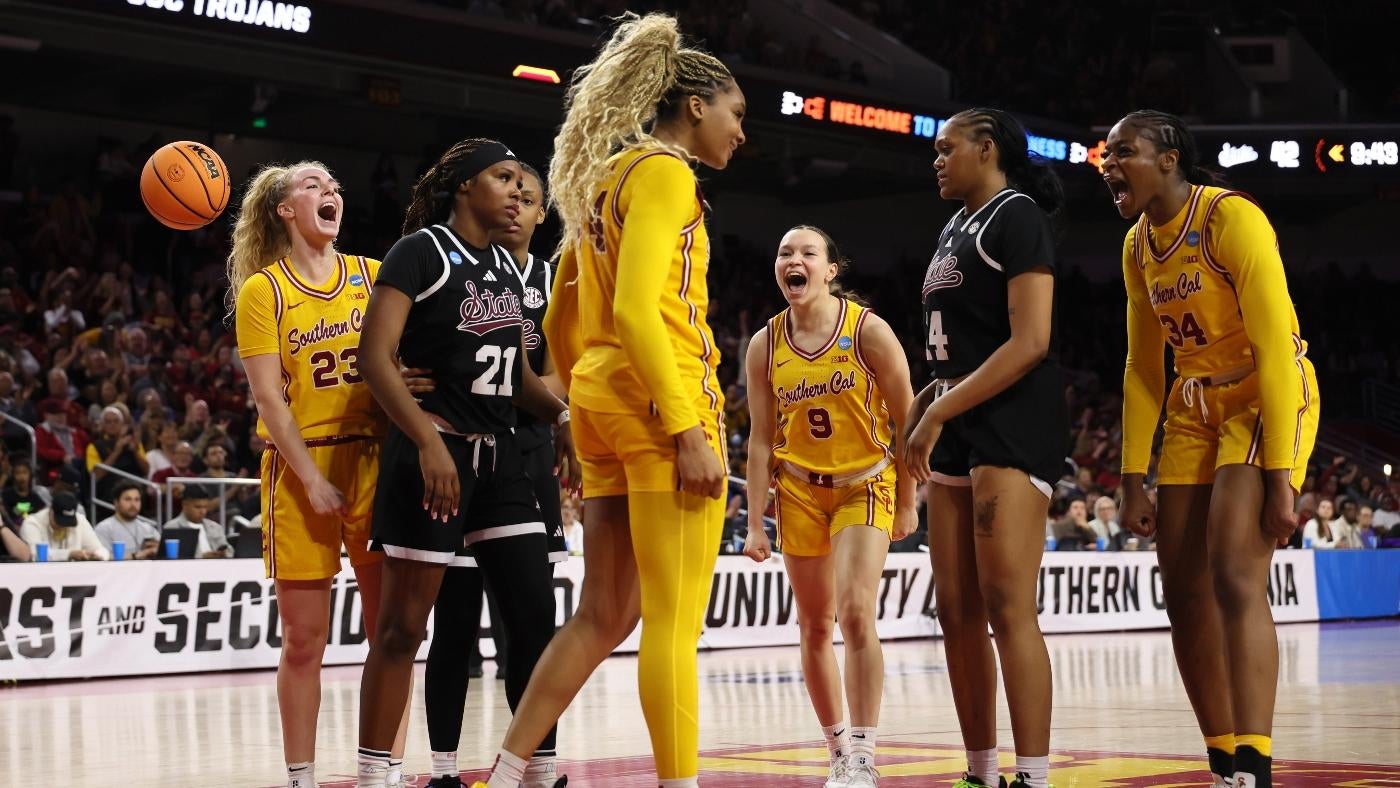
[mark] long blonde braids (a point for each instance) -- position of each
(642, 72)
(259, 236)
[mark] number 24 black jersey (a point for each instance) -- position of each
(964, 290)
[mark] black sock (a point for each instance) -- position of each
(1222, 764)
(1249, 761)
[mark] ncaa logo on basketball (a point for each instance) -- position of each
(1193, 238)
(534, 299)
(175, 173)
(844, 343)
(356, 280)
(455, 258)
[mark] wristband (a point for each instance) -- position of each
(562, 418)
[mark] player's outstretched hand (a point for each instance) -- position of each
(757, 546)
(698, 464)
(441, 487)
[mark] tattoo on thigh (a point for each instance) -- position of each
(985, 515)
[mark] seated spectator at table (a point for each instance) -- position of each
(1386, 516)
(12, 544)
(1072, 532)
(1346, 532)
(1105, 522)
(194, 513)
(21, 496)
(1317, 533)
(118, 446)
(181, 466)
(1366, 522)
(58, 444)
(126, 525)
(66, 531)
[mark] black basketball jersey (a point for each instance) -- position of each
(465, 325)
(535, 281)
(964, 293)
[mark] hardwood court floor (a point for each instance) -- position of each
(1121, 719)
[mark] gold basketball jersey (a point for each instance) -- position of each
(831, 418)
(315, 332)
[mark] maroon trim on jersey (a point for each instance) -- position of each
(271, 518)
(311, 291)
(1185, 230)
(840, 323)
(1307, 395)
(281, 309)
(364, 271)
(694, 319)
(617, 190)
(1205, 234)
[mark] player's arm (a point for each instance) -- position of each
(762, 423)
(1144, 372)
(536, 398)
(664, 204)
(258, 344)
(14, 544)
(563, 334)
(551, 379)
(885, 356)
(1244, 243)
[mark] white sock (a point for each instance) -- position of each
(862, 746)
(301, 775)
(373, 768)
(838, 739)
(681, 782)
(508, 771)
(395, 775)
(1034, 772)
(445, 764)
(541, 768)
(982, 764)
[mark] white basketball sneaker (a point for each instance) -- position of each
(860, 773)
(837, 777)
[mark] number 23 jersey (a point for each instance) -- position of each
(314, 329)
(465, 326)
(964, 290)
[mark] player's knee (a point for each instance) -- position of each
(1235, 590)
(612, 623)
(857, 617)
(816, 629)
(397, 639)
(303, 646)
(1003, 609)
(1185, 597)
(959, 611)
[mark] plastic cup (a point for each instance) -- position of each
(172, 548)
(41, 552)
(118, 551)
(1050, 544)
(1101, 544)
(1307, 544)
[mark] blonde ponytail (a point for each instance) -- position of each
(259, 236)
(642, 71)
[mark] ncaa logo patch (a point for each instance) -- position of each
(455, 258)
(356, 280)
(534, 299)
(1193, 238)
(973, 228)
(844, 343)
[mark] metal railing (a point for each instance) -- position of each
(95, 505)
(204, 481)
(33, 439)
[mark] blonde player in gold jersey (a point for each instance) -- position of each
(299, 305)
(825, 375)
(1202, 269)
(626, 328)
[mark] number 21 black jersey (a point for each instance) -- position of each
(964, 290)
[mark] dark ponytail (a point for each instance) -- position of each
(1027, 174)
(843, 264)
(1168, 132)
(430, 201)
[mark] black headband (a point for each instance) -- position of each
(478, 160)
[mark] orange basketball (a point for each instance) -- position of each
(185, 185)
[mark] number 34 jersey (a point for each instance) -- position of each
(964, 290)
(314, 330)
(465, 326)
(831, 418)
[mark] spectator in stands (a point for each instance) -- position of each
(194, 513)
(1346, 531)
(66, 531)
(58, 443)
(573, 525)
(58, 386)
(116, 446)
(12, 544)
(181, 463)
(15, 404)
(1105, 522)
(216, 467)
(1386, 517)
(165, 439)
(1317, 533)
(126, 525)
(63, 319)
(1366, 522)
(20, 495)
(1072, 532)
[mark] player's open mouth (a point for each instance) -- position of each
(326, 211)
(796, 282)
(1118, 188)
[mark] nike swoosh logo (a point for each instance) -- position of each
(290, 307)
(784, 361)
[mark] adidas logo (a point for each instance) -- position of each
(490, 277)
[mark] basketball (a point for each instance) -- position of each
(185, 185)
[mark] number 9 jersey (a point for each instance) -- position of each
(314, 329)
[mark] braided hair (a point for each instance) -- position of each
(1031, 176)
(1168, 132)
(431, 199)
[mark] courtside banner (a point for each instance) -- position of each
(79, 620)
